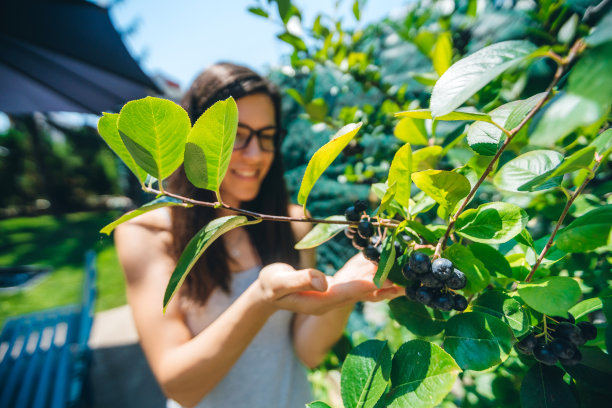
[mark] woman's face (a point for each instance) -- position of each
(249, 166)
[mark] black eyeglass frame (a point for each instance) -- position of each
(278, 135)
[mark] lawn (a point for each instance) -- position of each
(61, 242)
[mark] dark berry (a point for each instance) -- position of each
(443, 301)
(350, 232)
(544, 355)
(589, 331)
(411, 291)
(460, 303)
(431, 281)
(365, 229)
(360, 206)
(563, 348)
(575, 360)
(457, 280)
(569, 332)
(569, 319)
(409, 273)
(372, 253)
(351, 214)
(420, 263)
(442, 269)
(360, 243)
(528, 344)
(424, 295)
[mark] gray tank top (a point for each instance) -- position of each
(268, 374)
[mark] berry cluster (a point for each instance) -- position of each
(560, 341)
(434, 282)
(364, 234)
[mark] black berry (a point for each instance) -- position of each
(460, 303)
(457, 280)
(442, 269)
(409, 273)
(360, 243)
(589, 331)
(411, 291)
(431, 281)
(360, 206)
(544, 355)
(420, 263)
(575, 360)
(365, 229)
(424, 295)
(371, 253)
(443, 301)
(563, 348)
(351, 214)
(527, 345)
(350, 232)
(569, 332)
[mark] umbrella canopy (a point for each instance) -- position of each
(64, 55)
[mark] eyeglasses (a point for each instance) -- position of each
(266, 136)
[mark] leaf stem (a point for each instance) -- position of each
(562, 217)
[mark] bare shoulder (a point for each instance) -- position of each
(300, 229)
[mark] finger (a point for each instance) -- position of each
(302, 280)
(387, 293)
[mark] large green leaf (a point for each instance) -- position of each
(470, 74)
(522, 110)
(588, 232)
(561, 116)
(526, 167)
(507, 309)
(477, 341)
(492, 259)
(492, 223)
(585, 307)
(153, 205)
(411, 131)
(417, 318)
(324, 157)
(210, 144)
(365, 374)
(543, 386)
(485, 138)
(387, 259)
(196, 247)
(154, 131)
(442, 53)
(399, 175)
(321, 233)
(446, 187)
(603, 142)
(477, 275)
(422, 374)
(553, 295)
(579, 160)
(421, 230)
(456, 115)
(591, 77)
(107, 128)
(602, 33)
(426, 158)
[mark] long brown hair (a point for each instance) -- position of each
(273, 240)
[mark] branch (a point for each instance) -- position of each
(563, 214)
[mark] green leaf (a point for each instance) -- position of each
(317, 404)
(554, 254)
(585, 307)
(153, 205)
(321, 233)
(507, 309)
(553, 295)
(525, 238)
(387, 202)
(426, 158)
(457, 115)
(470, 74)
(387, 259)
(445, 187)
(422, 203)
(411, 131)
(107, 128)
(196, 247)
(477, 341)
(492, 223)
(296, 42)
(601, 34)
(442, 52)
(324, 157)
(154, 131)
(421, 230)
(577, 161)
(210, 144)
(603, 142)
(258, 11)
(417, 318)
(594, 370)
(283, 9)
(525, 168)
(317, 109)
(365, 374)
(295, 95)
(588, 232)
(356, 12)
(477, 275)
(486, 138)
(399, 175)
(561, 116)
(543, 386)
(422, 374)
(591, 77)
(492, 259)
(522, 110)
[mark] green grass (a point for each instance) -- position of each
(60, 242)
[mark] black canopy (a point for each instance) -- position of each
(64, 55)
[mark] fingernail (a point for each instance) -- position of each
(319, 283)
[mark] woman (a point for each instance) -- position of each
(252, 311)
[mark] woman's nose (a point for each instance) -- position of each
(252, 149)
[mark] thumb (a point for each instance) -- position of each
(304, 279)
